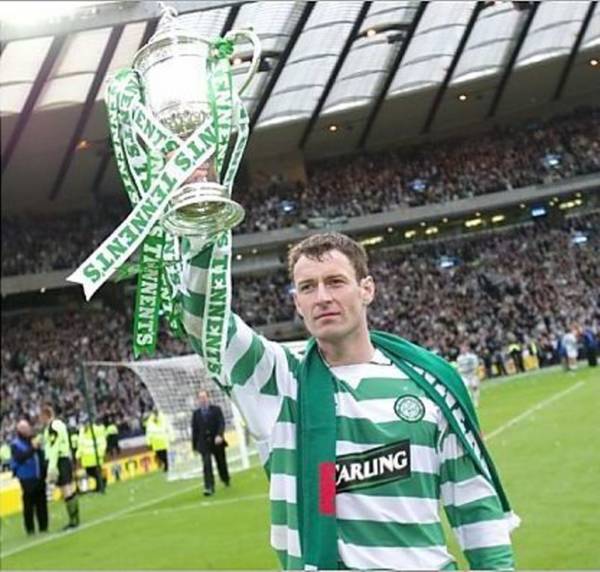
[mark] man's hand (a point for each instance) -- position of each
(52, 476)
(218, 440)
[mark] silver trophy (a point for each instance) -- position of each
(173, 69)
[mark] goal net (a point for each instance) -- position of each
(173, 385)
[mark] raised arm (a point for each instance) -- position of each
(257, 373)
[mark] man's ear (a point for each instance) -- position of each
(367, 286)
(297, 306)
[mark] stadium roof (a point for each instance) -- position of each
(335, 77)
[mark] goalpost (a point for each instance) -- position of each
(174, 384)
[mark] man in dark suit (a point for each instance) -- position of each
(208, 428)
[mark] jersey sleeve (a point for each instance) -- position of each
(473, 508)
(258, 374)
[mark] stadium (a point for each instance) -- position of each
(456, 144)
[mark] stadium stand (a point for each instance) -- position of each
(502, 283)
(537, 153)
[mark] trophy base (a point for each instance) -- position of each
(202, 209)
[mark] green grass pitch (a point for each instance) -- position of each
(542, 428)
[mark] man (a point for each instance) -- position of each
(569, 343)
(91, 447)
(515, 351)
(208, 439)
(590, 345)
(112, 439)
(364, 436)
(5, 455)
(60, 466)
(157, 437)
(467, 364)
(28, 466)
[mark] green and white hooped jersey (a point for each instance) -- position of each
(396, 457)
(467, 365)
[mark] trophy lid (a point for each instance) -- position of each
(169, 31)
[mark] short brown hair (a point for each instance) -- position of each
(317, 245)
(47, 410)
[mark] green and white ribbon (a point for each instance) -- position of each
(217, 309)
(150, 181)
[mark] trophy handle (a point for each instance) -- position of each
(256, 51)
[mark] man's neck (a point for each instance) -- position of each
(351, 350)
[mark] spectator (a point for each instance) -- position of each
(505, 158)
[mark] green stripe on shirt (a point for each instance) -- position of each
(365, 432)
(284, 513)
(491, 558)
(458, 470)
(487, 508)
(245, 366)
(383, 388)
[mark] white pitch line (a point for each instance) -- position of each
(102, 520)
(192, 506)
(87, 525)
(488, 384)
(531, 410)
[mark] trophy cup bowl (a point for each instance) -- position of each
(173, 68)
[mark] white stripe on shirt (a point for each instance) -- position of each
(483, 534)
(404, 510)
(195, 279)
(284, 538)
(464, 492)
(379, 410)
(284, 435)
(283, 488)
(394, 558)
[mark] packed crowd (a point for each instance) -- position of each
(528, 283)
(503, 159)
(34, 245)
(40, 362)
(537, 153)
(533, 282)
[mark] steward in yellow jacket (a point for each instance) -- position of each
(91, 448)
(157, 437)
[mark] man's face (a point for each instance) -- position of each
(203, 399)
(24, 429)
(330, 298)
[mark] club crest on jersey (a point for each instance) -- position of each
(373, 467)
(409, 408)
